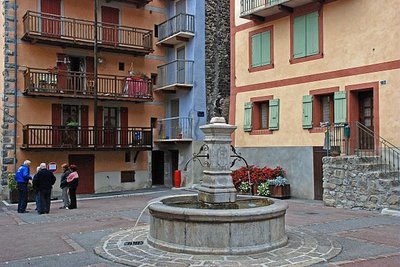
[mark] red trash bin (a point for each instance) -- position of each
(177, 178)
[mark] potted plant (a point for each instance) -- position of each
(263, 189)
(13, 191)
(279, 187)
(244, 187)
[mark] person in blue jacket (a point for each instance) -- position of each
(23, 177)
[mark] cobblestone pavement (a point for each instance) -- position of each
(303, 249)
(318, 236)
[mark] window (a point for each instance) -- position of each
(121, 66)
(306, 36)
(127, 176)
(261, 49)
(261, 115)
(323, 106)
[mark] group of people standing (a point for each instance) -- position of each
(42, 182)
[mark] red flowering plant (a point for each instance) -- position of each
(257, 175)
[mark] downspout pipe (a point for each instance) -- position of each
(16, 84)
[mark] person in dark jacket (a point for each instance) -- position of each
(44, 181)
(64, 185)
(73, 180)
(23, 177)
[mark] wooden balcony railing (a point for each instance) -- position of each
(177, 74)
(137, 3)
(81, 85)
(177, 29)
(54, 29)
(37, 136)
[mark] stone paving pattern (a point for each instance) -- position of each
(68, 237)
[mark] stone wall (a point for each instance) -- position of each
(218, 61)
(354, 182)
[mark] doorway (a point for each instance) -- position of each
(175, 121)
(366, 118)
(157, 167)
(318, 154)
(85, 165)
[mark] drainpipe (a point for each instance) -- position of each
(95, 74)
(16, 83)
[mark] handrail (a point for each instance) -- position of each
(175, 128)
(249, 6)
(364, 142)
(175, 72)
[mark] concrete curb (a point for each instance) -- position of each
(391, 212)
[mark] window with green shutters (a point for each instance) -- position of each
(261, 116)
(306, 35)
(261, 49)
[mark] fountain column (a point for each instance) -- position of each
(217, 187)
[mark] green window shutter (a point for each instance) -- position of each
(299, 37)
(274, 114)
(248, 106)
(266, 48)
(307, 111)
(340, 107)
(312, 43)
(256, 50)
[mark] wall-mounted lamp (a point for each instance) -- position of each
(100, 60)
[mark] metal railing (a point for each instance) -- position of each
(174, 128)
(358, 139)
(249, 6)
(74, 83)
(37, 136)
(175, 72)
(176, 24)
(65, 29)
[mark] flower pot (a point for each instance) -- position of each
(13, 196)
(281, 192)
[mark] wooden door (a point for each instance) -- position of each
(62, 67)
(318, 154)
(366, 117)
(51, 25)
(56, 122)
(124, 127)
(90, 75)
(157, 167)
(110, 19)
(85, 165)
(110, 126)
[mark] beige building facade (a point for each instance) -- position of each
(300, 65)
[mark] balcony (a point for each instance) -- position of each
(261, 9)
(72, 84)
(176, 129)
(137, 3)
(50, 137)
(64, 31)
(176, 30)
(175, 75)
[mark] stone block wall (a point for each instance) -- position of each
(217, 46)
(358, 183)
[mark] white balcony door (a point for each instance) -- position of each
(180, 7)
(180, 56)
(174, 114)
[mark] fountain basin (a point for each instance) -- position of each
(254, 227)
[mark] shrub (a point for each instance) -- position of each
(244, 187)
(279, 181)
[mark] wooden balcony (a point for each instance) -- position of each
(53, 83)
(175, 75)
(176, 129)
(50, 137)
(262, 9)
(177, 29)
(64, 31)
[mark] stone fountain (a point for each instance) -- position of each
(216, 220)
